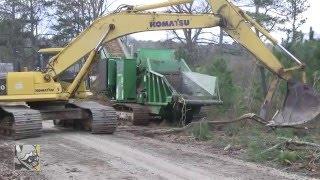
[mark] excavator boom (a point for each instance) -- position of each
(42, 90)
(125, 23)
(232, 19)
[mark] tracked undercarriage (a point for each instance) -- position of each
(140, 115)
(22, 121)
(136, 114)
(19, 122)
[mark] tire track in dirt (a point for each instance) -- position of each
(157, 165)
(126, 156)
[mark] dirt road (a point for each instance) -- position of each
(67, 154)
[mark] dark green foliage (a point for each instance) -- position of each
(311, 34)
(227, 88)
(294, 10)
(309, 53)
(231, 95)
(287, 157)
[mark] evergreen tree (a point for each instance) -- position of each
(228, 90)
(294, 10)
(311, 34)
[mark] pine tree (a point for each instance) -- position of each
(294, 10)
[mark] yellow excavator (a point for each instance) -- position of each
(47, 96)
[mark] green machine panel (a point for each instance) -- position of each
(156, 79)
(126, 80)
(156, 54)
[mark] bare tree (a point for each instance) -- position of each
(270, 14)
(35, 11)
(191, 38)
(19, 26)
(11, 28)
(75, 16)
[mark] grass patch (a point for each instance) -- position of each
(261, 144)
(285, 132)
(232, 129)
(287, 157)
(259, 148)
(202, 131)
(257, 143)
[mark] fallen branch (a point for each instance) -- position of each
(299, 143)
(166, 131)
(250, 116)
(315, 158)
(294, 142)
(272, 148)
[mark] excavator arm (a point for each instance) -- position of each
(240, 26)
(224, 14)
(124, 23)
(48, 97)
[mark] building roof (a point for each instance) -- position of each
(116, 48)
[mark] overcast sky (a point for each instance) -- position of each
(312, 14)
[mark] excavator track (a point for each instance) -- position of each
(102, 119)
(140, 115)
(20, 122)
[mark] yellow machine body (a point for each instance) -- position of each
(46, 86)
(29, 86)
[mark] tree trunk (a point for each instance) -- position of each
(221, 41)
(261, 68)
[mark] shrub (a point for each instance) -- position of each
(202, 132)
(287, 157)
(232, 129)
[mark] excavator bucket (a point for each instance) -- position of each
(301, 106)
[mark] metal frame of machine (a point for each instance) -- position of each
(161, 85)
(42, 89)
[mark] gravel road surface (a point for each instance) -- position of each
(68, 154)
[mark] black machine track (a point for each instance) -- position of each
(141, 114)
(102, 119)
(20, 122)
